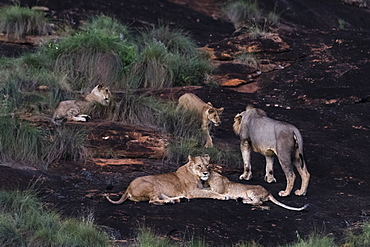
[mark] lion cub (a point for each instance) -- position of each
(249, 194)
(73, 109)
(171, 187)
(206, 112)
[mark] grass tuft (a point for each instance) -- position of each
(247, 16)
(24, 222)
(19, 22)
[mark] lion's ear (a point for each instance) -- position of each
(206, 156)
(210, 104)
(220, 110)
(238, 117)
(190, 158)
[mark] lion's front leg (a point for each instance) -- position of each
(245, 149)
(199, 193)
(205, 128)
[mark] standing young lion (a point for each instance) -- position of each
(74, 109)
(207, 112)
(249, 194)
(271, 138)
(171, 187)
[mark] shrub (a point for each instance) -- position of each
(18, 21)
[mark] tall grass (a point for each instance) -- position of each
(19, 21)
(91, 57)
(246, 15)
(358, 237)
(249, 59)
(24, 222)
(168, 57)
(68, 143)
(314, 240)
(28, 144)
(98, 53)
(21, 142)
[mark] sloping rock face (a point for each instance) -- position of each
(113, 140)
(323, 89)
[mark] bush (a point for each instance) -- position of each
(18, 22)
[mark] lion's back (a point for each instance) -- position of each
(191, 102)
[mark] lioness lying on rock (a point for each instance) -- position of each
(74, 109)
(171, 187)
(249, 194)
(271, 138)
(206, 112)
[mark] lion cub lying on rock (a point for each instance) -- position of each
(171, 187)
(207, 112)
(74, 109)
(249, 194)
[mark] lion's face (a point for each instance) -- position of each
(200, 166)
(102, 95)
(214, 115)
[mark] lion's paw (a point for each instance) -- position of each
(283, 193)
(270, 179)
(300, 193)
(246, 176)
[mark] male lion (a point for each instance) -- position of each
(207, 112)
(171, 187)
(72, 109)
(249, 194)
(271, 137)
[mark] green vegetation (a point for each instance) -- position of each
(97, 54)
(147, 237)
(24, 222)
(247, 16)
(167, 58)
(358, 238)
(25, 143)
(18, 22)
(248, 58)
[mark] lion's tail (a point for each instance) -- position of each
(121, 200)
(272, 199)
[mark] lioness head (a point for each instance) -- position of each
(101, 94)
(214, 114)
(199, 165)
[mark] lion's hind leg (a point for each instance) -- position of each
(255, 201)
(163, 199)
